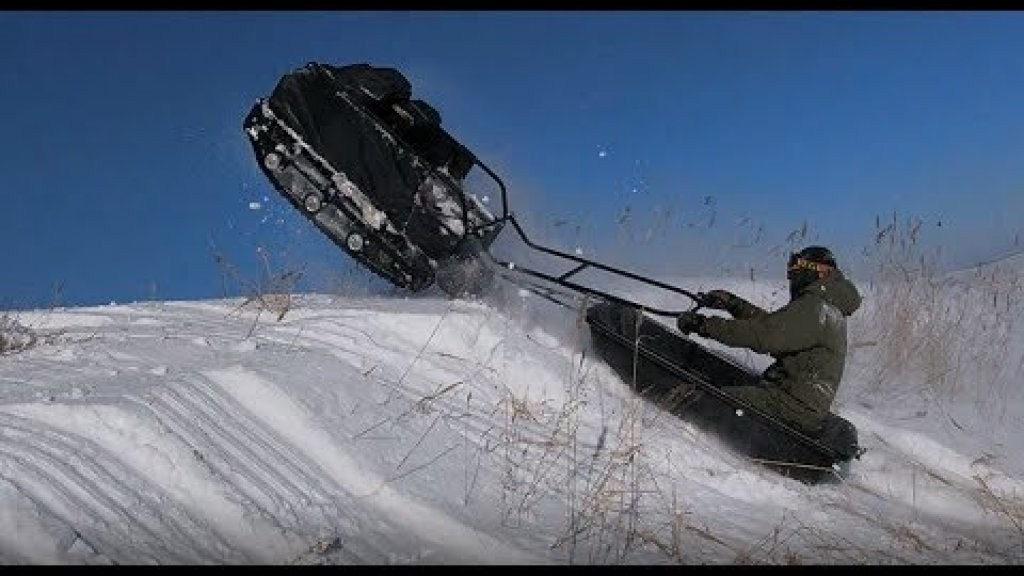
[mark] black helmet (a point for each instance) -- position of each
(808, 265)
(816, 254)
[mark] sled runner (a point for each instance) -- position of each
(372, 168)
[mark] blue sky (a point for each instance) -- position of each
(125, 167)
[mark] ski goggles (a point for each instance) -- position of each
(798, 263)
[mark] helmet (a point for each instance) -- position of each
(808, 265)
(817, 254)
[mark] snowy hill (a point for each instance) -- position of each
(366, 430)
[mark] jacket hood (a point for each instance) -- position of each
(837, 290)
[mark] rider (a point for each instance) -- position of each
(806, 337)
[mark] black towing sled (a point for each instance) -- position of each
(374, 170)
(692, 382)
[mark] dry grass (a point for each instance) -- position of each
(932, 330)
(617, 511)
(14, 337)
(1010, 507)
(272, 291)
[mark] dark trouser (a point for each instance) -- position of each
(778, 403)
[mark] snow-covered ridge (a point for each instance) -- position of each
(430, 431)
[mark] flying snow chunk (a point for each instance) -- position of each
(255, 205)
(602, 154)
(579, 251)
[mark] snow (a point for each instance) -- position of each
(420, 430)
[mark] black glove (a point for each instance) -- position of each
(691, 322)
(717, 299)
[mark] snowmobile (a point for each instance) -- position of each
(373, 169)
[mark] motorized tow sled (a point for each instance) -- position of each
(372, 168)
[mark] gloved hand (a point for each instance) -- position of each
(691, 322)
(717, 299)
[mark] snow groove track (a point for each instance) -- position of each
(241, 451)
(127, 515)
(272, 479)
(87, 487)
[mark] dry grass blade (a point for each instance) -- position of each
(13, 336)
(1012, 509)
(272, 292)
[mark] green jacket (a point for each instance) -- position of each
(807, 338)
